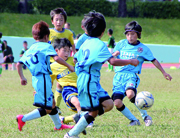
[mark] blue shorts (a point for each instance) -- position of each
(67, 93)
(122, 82)
(44, 95)
(90, 92)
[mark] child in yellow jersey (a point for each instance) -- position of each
(64, 77)
(58, 19)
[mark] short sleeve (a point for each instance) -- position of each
(148, 56)
(50, 51)
(103, 54)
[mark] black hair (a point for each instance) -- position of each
(78, 36)
(25, 42)
(95, 24)
(110, 31)
(133, 26)
(1, 34)
(58, 11)
(5, 41)
(60, 43)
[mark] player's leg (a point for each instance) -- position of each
(131, 92)
(85, 95)
(58, 96)
(1, 61)
(119, 94)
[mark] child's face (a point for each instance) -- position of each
(25, 45)
(63, 52)
(58, 21)
(132, 37)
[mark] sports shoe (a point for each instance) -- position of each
(148, 120)
(67, 136)
(91, 124)
(59, 111)
(134, 123)
(76, 118)
(20, 122)
(63, 126)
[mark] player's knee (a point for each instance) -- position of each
(131, 92)
(53, 111)
(42, 111)
(89, 118)
(118, 103)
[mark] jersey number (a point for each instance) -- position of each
(34, 58)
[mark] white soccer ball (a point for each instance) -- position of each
(144, 100)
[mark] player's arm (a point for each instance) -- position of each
(116, 53)
(20, 72)
(158, 65)
(61, 61)
(123, 62)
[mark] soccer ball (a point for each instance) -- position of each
(144, 100)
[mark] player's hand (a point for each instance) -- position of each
(167, 76)
(23, 81)
(134, 62)
(71, 68)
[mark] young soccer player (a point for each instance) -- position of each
(90, 58)
(110, 45)
(1, 53)
(37, 59)
(66, 78)
(126, 80)
(25, 48)
(58, 19)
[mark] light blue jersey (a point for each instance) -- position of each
(91, 56)
(81, 40)
(37, 58)
(128, 51)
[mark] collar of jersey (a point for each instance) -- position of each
(138, 42)
(59, 31)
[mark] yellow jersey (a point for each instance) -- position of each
(62, 74)
(55, 34)
(65, 33)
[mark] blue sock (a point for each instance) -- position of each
(127, 113)
(79, 127)
(143, 112)
(56, 120)
(32, 115)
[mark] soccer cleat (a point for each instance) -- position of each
(148, 120)
(59, 111)
(76, 119)
(67, 136)
(134, 123)
(63, 126)
(20, 122)
(91, 124)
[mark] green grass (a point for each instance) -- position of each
(155, 31)
(16, 99)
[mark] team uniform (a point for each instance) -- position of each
(81, 40)
(111, 43)
(55, 34)
(91, 56)
(126, 76)
(37, 59)
(67, 80)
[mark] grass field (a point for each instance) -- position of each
(155, 31)
(16, 99)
